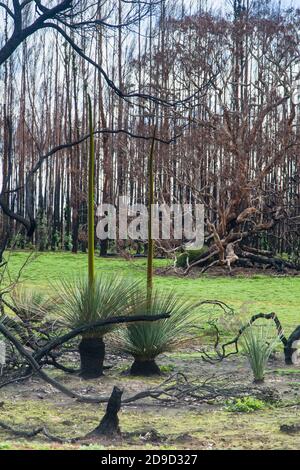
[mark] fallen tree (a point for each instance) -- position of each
(240, 256)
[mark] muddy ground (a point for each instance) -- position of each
(188, 423)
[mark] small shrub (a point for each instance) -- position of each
(19, 241)
(258, 342)
(68, 245)
(55, 242)
(245, 405)
(6, 446)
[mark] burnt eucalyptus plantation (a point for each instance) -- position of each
(226, 84)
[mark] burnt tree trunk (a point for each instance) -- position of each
(109, 424)
(289, 348)
(103, 247)
(92, 353)
(144, 368)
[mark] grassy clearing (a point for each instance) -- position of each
(211, 427)
(259, 293)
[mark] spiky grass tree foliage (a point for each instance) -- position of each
(31, 305)
(258, 342)
(145, 341)
(79, 304)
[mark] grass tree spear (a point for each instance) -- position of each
(91, 196)
(150, 253)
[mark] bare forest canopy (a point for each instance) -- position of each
(222, 89)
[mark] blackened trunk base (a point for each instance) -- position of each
(109, 425)
(92, 352)
(291, 347)
(145, 368)
(258, 381)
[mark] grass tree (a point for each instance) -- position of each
(258, 342)
(91, 199)
(146, 341)
(31, 305)
(84, 301)
(150, 252)
(79, 304)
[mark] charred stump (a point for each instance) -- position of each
(290, 348)
(144, 368)
(109, 424)
(92, 353)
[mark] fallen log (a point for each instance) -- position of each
(278, 263)
(257, 251)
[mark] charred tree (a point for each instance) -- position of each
(109, 424)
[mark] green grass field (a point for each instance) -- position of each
(251, 295)
(208, 428)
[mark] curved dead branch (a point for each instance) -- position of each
(234, 342)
